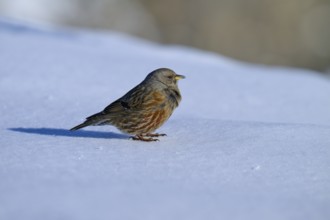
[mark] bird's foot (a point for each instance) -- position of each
(143, 138)
(154, 135)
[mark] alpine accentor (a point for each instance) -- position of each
(144, 108)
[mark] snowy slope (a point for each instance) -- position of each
(247, 142)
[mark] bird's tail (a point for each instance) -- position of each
(82, 125)
(97, 119)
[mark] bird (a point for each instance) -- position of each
(144, 108)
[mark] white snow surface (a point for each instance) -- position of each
(247, 142)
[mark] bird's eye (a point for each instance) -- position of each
(170, 77)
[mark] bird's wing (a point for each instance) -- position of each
(139, 98)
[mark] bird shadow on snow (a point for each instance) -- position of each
(67, 133)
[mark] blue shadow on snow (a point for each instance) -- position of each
(67, 133)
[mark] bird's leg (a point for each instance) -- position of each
(154, 135)
(142, 138)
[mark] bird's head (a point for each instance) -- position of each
(165, 76)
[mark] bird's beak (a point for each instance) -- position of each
(177, 77)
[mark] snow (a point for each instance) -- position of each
(247, 141)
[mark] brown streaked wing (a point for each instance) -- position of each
(142, 100)
(116, 106)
